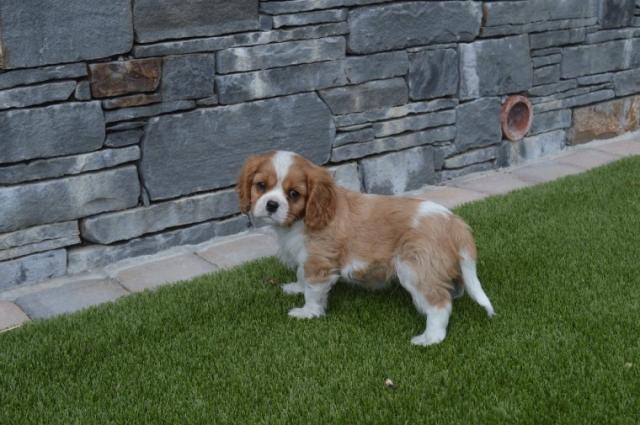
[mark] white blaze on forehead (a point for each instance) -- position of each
(282, 161)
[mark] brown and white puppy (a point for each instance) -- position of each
(326, 232)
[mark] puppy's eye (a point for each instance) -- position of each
(261, 186)
(293, 194)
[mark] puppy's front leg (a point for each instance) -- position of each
(315, 300)
(296, 287)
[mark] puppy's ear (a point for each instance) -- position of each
(245, 180)
(322, 199)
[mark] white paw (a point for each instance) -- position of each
(306, 312)
(293, 288)
(425, 340)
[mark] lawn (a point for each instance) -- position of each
(560, 263)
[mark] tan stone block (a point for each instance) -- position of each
(133, 76)
(605, 120)
(131, 100)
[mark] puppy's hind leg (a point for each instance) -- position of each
(438, 311)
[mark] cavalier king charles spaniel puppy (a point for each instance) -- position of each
(326, 232)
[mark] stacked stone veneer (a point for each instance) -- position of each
(123, 123)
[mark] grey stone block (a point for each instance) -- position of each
(94, 256)
(212, 44)
(514, 13)
(494, 67)
(541, 61)
(395, 112)
(68, 198)
(535, 147)
(557, 38)
(83, 90)
(208, 101)
(472, 157)
(616, 13)
(188, 76)
(433, 73)
(597, 58)
(551, 51)
(627, 82)
(474, 168)
(580, 100)
(122, 225)
(478, 123)
(70, 298)
(21, 97)
(41, 32)
(548, 121)
(359, 69)
(240, 59)
(33, 268)
(358, 136)
(265, 22)
(571, 93)
(169, 19)
(549, 89)
(131, 125)
(394, 143)
(289, 6)
(232, 225)
(51, 131)
(347, 176)
(414, 123)
(119, 139)
(405, 24)
(37, 239)
(148, 111)
(308, 18)
(383, 175)
(546, 75)
(65, 166)
(539, 26)
(221, 138)
(595, 79)
(609, 35)
(363, 97)
(237, 88)
(22, 77)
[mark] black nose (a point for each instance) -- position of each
(272, 206)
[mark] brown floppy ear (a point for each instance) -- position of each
(245, 180)
(322, 199)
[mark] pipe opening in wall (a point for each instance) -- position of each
(516, 117)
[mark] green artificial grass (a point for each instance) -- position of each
(559, 262)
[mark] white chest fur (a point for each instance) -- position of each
(291, 250)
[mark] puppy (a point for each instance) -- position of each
(326, 232)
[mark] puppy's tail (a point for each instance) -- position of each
(467, 255)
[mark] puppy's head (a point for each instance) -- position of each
(283, 187)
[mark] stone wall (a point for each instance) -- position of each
(123, 123)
